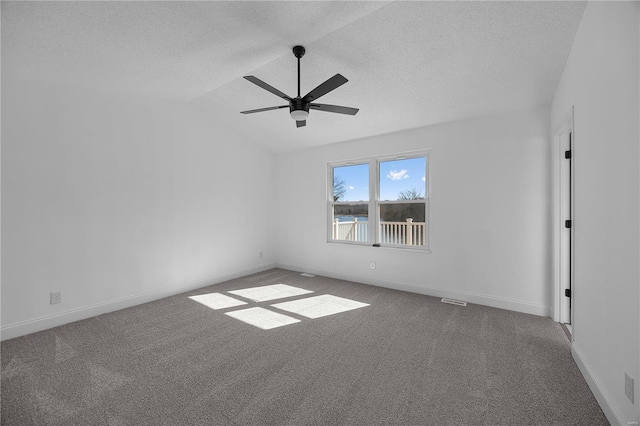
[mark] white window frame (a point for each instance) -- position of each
(373, 223)
(331, 203)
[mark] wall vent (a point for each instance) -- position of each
(306, 274)
(454, 302)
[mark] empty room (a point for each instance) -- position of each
(320, 213)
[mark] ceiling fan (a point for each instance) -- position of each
(299, 106)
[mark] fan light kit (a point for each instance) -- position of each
(299, 114)
(299, 106)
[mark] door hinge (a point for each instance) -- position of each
(567, 154)
(567, 224)
(567, 292)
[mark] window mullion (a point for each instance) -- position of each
(374, 178)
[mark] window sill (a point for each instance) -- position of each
(392, 247)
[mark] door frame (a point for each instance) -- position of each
(559, 135)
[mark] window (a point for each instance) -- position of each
(350, 203)
(381, 200)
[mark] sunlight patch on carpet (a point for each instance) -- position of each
(270, 292)
(262, 318)
(319, 306)
(217, 300)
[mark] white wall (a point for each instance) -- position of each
(490, 211)
(601, 80)
(117, 200)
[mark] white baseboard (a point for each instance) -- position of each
(50, 321)
(610, 409)
(479, 299)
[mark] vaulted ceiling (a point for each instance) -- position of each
(409, 64)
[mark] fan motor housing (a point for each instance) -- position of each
(297, 104)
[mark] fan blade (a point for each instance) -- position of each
(251, 111)
(334, 108)
(333, 83)
(301, 123)
(267, 87)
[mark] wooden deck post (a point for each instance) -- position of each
(409, 233)
(355, 229)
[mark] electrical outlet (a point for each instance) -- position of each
(628, 387)
(55, 297)
(373, 265)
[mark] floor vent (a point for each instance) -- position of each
(306, 274)
(454, 302)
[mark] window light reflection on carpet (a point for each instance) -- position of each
(262, 318)
(217, 300)
(319, 306)
(266, 319)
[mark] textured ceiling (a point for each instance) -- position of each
(409, 64)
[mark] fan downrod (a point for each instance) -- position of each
(298, 51)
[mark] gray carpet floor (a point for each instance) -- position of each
(405, 359)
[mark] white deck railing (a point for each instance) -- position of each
(408, 232)
(350, 230)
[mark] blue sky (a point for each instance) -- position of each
(395, 176)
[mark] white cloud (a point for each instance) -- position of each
(424, 178)
(352, 187)
(397, 175)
